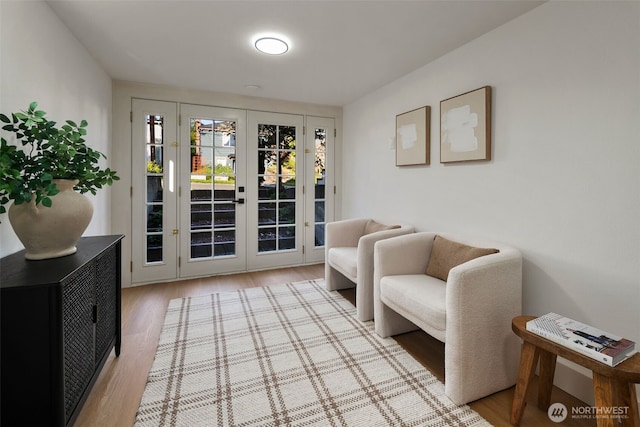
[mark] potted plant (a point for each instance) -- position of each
(46, 178)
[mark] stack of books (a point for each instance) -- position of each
(587, 340)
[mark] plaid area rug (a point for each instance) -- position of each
(286, 355)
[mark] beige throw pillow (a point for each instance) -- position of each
(371, 227)
(446, 254)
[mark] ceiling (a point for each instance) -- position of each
(339, 50)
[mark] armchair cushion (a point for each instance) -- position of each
(345, 260)
(447, 254)
(372, 226)
(420, 298)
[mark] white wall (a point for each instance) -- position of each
(42, 61)
(564, 182)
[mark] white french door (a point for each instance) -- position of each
(275, 209)
(218, 190)
(212, 182)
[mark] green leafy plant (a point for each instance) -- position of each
(153, 167)
(48, 152)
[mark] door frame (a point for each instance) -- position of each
(125, 96)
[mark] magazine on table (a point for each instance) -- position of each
(587, 340)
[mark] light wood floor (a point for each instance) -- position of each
(116, 395)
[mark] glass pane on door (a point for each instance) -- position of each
(319, 179)
(276, 188)
(319, 148)
(153, 191)
(212, 188)
(154, 176)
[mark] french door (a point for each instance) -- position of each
(276, 211)
(212, 181)
(217, 190)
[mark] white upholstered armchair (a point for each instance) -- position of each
(349, 257)
(469, 308)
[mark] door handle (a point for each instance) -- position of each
(239, 201)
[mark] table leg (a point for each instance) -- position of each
(528, 361)
(603, 389)
(634, 413)
(545, 381)
(626, 402)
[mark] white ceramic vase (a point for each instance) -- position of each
(52, 232)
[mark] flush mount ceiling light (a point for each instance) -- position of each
(271, 45)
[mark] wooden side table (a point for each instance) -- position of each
(613, 386)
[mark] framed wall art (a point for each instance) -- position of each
(465, 127)
(413, 131)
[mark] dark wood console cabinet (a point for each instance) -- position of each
(60, 319)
